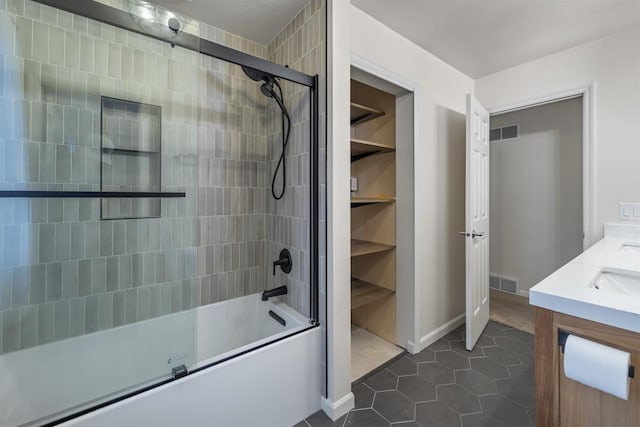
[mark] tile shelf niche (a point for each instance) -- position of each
(130, 157)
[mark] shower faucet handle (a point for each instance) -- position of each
(284, 261)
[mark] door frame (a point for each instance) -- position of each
(588, 152)
(406, 287)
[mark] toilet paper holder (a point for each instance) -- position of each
(562, 340)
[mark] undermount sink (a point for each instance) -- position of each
(631, 247)
(616, 281)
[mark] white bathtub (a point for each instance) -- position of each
(49, 379)
(234, 326)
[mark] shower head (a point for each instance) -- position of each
(267, 89)
(256, 75)
(268, 79)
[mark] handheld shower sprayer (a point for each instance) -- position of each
(268, 89)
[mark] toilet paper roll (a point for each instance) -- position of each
(598, 366)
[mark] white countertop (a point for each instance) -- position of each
(567, 290)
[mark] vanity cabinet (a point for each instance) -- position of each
(563, 402)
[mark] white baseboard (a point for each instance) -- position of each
(335, 410)
(435, 335)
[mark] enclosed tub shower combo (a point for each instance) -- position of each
(159, 205)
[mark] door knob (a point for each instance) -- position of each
(475, 234)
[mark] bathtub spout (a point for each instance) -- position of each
(281, 290)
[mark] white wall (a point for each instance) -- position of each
(536, 192)
(439, 174)
(613, 65)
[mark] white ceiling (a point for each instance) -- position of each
(480, 37)
(257, 20)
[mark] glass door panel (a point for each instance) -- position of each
(98, 258)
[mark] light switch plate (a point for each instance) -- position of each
(354, 184)
(630, 211)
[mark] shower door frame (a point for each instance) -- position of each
(118, 18)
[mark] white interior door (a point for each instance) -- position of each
(477, 221)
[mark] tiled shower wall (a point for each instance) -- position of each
(63, 271)
(301, 46)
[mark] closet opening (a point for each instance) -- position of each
(382, 222)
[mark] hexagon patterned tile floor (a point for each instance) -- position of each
(445, 385)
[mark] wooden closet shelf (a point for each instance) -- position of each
(362, 113)
(364, 293)
(361, 149)
(364, 201)
(363, 247)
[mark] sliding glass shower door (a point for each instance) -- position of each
(98, 261)
(147, 186)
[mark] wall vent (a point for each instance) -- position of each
(504, 133)
(501, 283)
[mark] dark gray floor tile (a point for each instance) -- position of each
(502, 356)
(425, 355)
(435, 414)
(394, 406)
(520, 387)
(532, 414)
(480, 420)
(439, 345)
(455, 335)
(452, 360)
(527, 359)
(512, 345)
(485, 341)
(499, 325)
(383, 380)
(504, 410)
(404, 366)
(518, 335)
(522, 374)
(417, 389)
(460, 348)
(363, 396)
(476, 382)
(365, 418)
(435, 373)
(492, 331)
(491, 386)
(489, 368)
(462, 328)
(320, 419)
(517, 391)
(457, 398)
